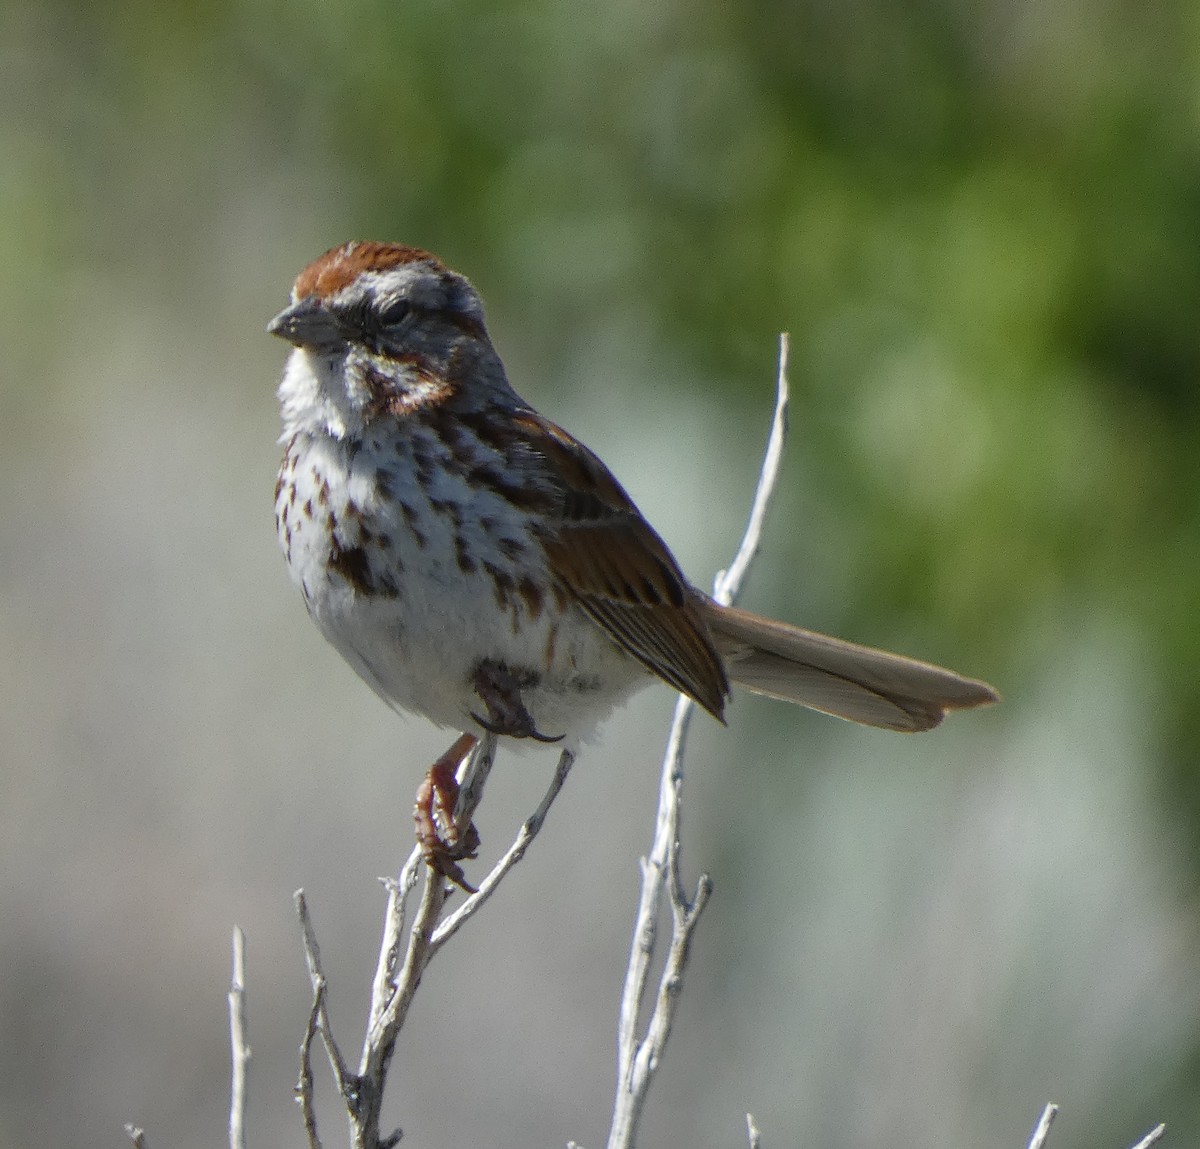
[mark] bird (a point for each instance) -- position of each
(479, 566)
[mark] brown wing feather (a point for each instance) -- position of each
(621, 573)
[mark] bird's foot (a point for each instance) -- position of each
(499, 688)
(443, 842)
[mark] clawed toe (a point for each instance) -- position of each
(500, 690)
(442, 841)
(519, 729)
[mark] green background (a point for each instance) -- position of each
(980, 224)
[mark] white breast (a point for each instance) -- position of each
(416, 575)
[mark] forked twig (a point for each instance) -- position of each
(401, 963)
(312, 956)
(638, 1058)
(529, 830)
(304, 1086)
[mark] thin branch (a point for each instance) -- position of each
(752, 1133)
(515, 852)
(366, 1108)
(397, 974)
(239, 1049)
(1041, 1133)
(729, 582)
(312, 954)
(382, 1035)
(304, 1087)
(1151, 1138)
(637, 1059)
(401, 963)
(398, 889)
(393, 956)
(1042, 1130)
(474, 775)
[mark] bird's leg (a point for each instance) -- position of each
(440, 839)
(499, 688)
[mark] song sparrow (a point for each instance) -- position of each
(478, 565)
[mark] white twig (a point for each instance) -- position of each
(397, 972)
(752, 1132)
(473, 777)
(1042, 1129)
(401, 963)
(515, 852)
(380, 1041)
(304, 1087)
(1151, 1138)
(392, 956)
(239, 1049)
(1041, 1133)
(729, 582)
(398, 890)
(637, 1059)
(312, 955)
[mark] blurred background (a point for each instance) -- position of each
(979, 223)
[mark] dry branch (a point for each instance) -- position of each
(638, 1058)
(239, 1048)
(401, 964)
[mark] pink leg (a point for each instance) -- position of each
(440, 839)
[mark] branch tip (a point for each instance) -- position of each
(637, 1058)
(239, 1046)
(1152, 1138)
(752, 1133)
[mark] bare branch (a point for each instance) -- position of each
(729, 582)
(1152, 1138)
(304, 1087)
(398, 889)
(396, 977)
(474, 775)
(637, 1059)
(752, 1133)
(312, 953)
(383, 1034)
(401, 963)
(1042, 1131)
(239, 1049)
(529, 831)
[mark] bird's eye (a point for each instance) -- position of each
(393, 312)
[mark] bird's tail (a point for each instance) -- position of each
(841, 678)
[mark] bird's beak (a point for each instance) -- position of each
(308, 323)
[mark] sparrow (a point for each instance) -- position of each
(478, 565)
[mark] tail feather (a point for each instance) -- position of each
(841, 678)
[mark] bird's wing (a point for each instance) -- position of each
(614, 565)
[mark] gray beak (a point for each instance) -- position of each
(308, 323)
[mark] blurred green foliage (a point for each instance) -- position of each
(980, 223)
